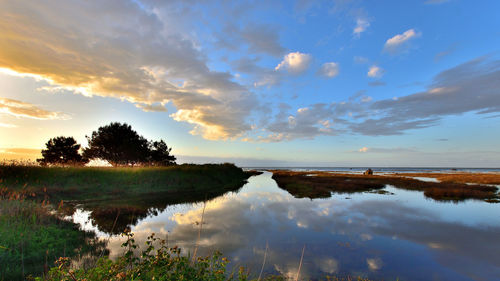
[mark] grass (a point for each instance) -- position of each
(321, 184)
(305, 184)
(98, 183)
(119, 197)
(478, 178)
(32, 238)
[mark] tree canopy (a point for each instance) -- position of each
(62, 151)
(159, 154)
(120, 145)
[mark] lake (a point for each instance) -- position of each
(398, 235)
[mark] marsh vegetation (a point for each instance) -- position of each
(33, 234)
(119, 200)
(322, 184)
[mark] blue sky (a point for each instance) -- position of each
(310, 83)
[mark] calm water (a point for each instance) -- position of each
(383, 237)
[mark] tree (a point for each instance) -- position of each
(159, 154)
(62, 151)
(118, 144)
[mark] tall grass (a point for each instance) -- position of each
(84, 183)
(32, 237)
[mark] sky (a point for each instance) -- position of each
(258, 83)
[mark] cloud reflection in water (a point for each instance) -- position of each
(372, 235)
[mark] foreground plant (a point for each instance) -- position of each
(154, 263)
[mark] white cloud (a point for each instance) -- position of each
(329, 69)
(361, 26)
(363, 149)
(295, 62)
(375, 72)
(470, 87)
(399, 41)
(23, 109)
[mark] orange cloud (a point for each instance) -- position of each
(20, 154)
(143, 61)
(22, 109)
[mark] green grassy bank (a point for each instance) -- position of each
(32, 238)
(98, 183)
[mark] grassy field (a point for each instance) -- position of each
(115, 184)
(320, 184)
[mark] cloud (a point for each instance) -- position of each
(22, 109)
(6, 125)
(263, 38)
(138, 53)
(257, 38)
(375, 72)
(261, 76)
(306, 122)
(329, 69)
(376, 83)
(473, 86)
(399, 42)
(361, 26)
(385, 150)
(151, 107)
(446, 52)
(295, 63)
(19, 153)
(363, 149)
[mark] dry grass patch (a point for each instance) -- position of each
(321, 184)
(480, 178)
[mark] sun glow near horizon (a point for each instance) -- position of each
(272, 84)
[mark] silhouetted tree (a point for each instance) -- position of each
(159, 154)
(62, 151)
(118, 144)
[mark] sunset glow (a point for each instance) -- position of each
(266, 83)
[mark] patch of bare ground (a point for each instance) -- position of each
(322, 184)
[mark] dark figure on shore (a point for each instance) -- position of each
(368, 172)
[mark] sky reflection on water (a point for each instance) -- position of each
(378, 236)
